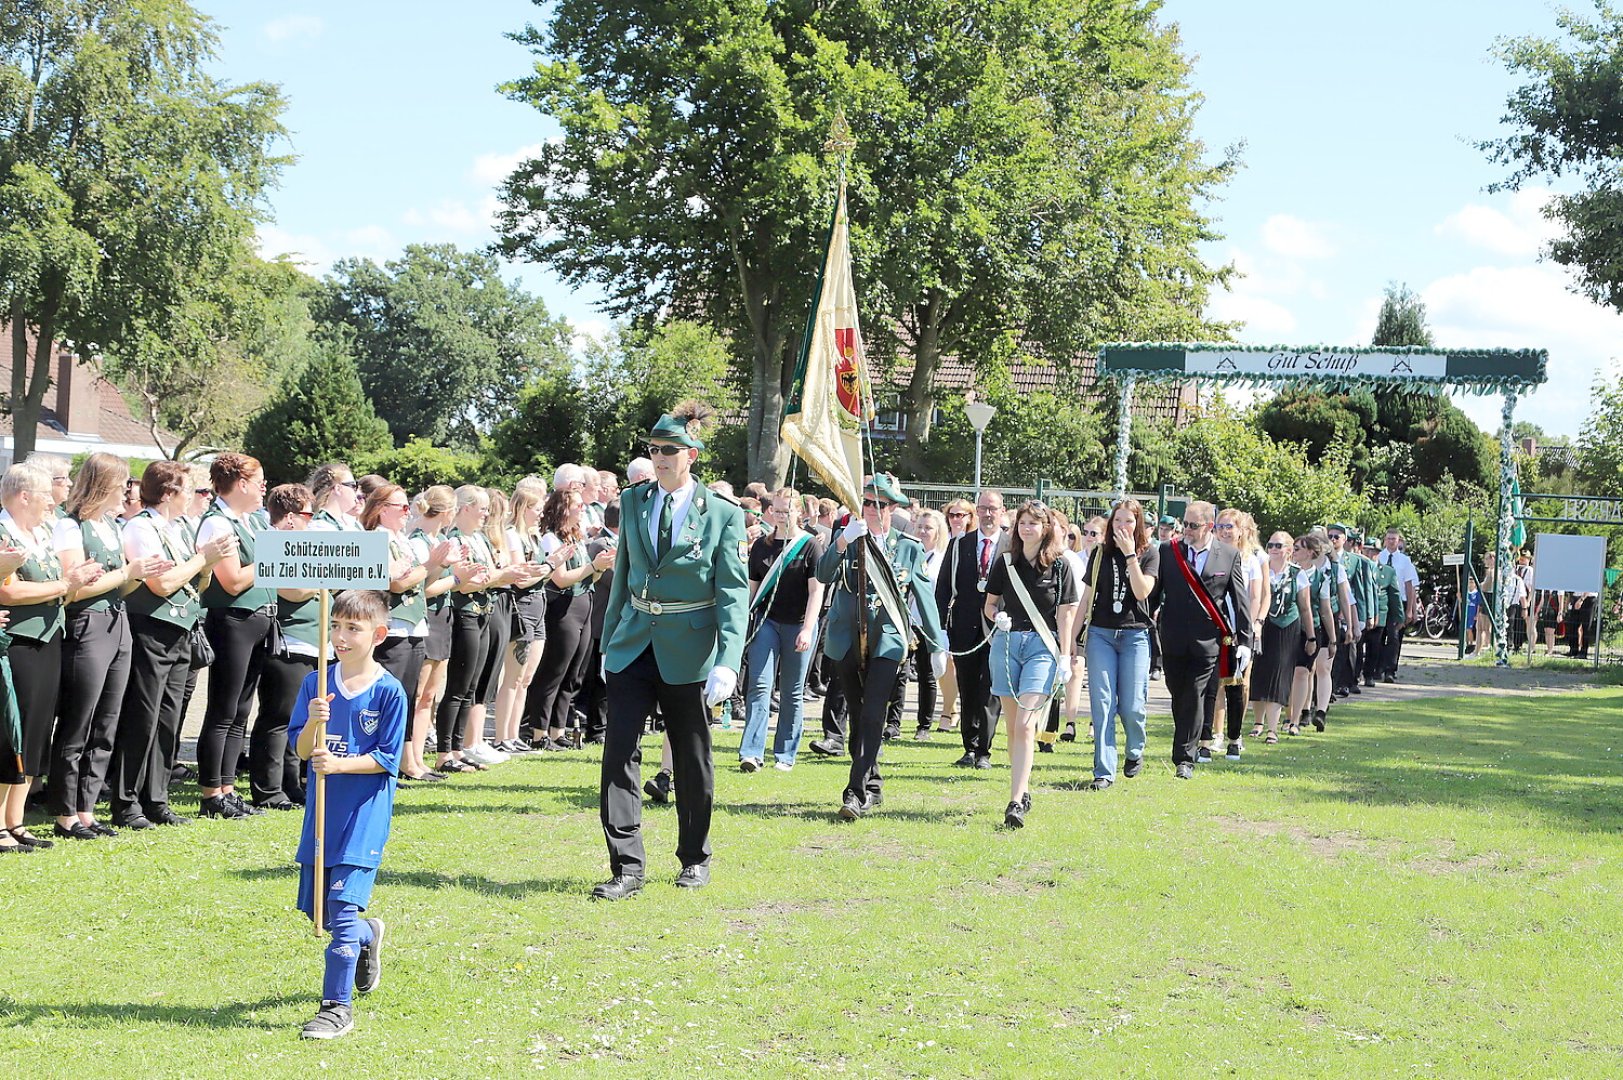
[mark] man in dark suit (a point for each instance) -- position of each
(1190, 638)
(960, 595)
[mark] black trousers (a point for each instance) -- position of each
(36, 672)
(403, 658)
(238, 638)
(499, 627)
(1374, 645)
(468, 642)
(551, 697)
(977, 709)
(633, 693)
(1392, 651)
(1192, 681)
(95, 673)
(868, 697)
(149, 726)
(836, 711)
(595, 694)
(274, 769)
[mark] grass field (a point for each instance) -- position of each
(1425, 890)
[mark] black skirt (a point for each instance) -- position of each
(1275, 668)
(439, 634)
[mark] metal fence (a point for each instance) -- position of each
(1075, 505)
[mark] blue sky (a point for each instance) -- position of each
(1357, 121)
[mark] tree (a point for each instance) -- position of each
(1323, 422)
(130, 178)
(1402, 320)
(1600, 441)
(1566, 120)
(443, 343)
(321, 414)
(1021, 174)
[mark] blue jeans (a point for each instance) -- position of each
(772, 653)
(1118, 681)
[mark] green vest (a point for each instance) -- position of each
(181, 607)
(253, 597)
(409, 606)
(474, 603)
(42, 621)
(300, 620)
(1388, 599)
(435, 604)
(1282, 609)
(110, 559)
(1335, 589)
(1315, 588)
(529, 550)
(575, 562)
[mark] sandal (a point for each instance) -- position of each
(28, 839)
(1256, 732)
(1293, 730)
(1271, 739)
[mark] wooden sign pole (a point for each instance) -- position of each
(321, 778)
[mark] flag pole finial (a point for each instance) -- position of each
(839, 139)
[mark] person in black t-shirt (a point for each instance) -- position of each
(1121, 576)
(785, 599)
(1031, 653)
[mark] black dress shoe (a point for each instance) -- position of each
(1015, 816)
(618, 887)
(1369, 680)
(1045, 748)
(218, 806)
(136, 823)
(983, 762)
(284, 803)
(166, 816)
(1319, 717)
(1389, 679)
(28, 839)
(15, 849)
(851, 807)
(696, 876)
(103, 830)
(658, 789)
(1354, 689)
(891, 731)
(1186, 771)
(77, 831)
(966, 762)
(1130, 769)
(827, 747)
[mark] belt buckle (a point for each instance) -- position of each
(655, 607)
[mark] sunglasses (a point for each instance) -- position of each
(877, 505)
(1275, 545)
(305, 514)
(1336, 536)
(397, 506)
(202, 491)
(353, 485)
(1197, 525)
(664, 450)
(958, 514)
(1224, 526)
(1095, 533)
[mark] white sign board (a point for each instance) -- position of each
(1569, 563)
(289, 559)
(1457, 559)
(1323, 362)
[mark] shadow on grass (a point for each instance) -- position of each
(233, 1014)
(829, 811)
(433, 879)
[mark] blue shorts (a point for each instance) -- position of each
(349, 883)
(1021, 664)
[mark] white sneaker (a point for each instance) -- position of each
(783, 766)
(484, 754)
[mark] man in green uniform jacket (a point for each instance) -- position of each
(868, 685)
(673, 635)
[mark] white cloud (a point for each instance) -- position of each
(310, 253)
(493, 169)
(589, 330)
(1528, 307)
(293, 28)
(370, 242)
(1266, 321)
(454, 219)
(1293, 238)
(1518, 229)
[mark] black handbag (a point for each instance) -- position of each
(202, 650)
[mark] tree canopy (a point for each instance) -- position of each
(1023, 173)
(130, 182)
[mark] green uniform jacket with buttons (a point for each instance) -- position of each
(1361, 583)
(706, 562)
(839, 568)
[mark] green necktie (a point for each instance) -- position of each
(667, 517)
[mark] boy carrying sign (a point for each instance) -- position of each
(365, 724)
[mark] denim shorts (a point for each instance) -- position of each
(1021, 664)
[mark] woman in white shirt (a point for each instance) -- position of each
(1286, 625)
(1239, 529)
(931, 529)
(96, 647)
(549, 704)
(523, 538)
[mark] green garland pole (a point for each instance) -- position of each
(1501, 561)
(1124, 433)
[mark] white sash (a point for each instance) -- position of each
(1037, 622)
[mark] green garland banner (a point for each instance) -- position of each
(1474, 371)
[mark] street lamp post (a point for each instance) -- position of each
(980, 414)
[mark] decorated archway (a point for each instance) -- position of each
(1507, 372)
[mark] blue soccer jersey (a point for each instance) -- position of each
(372, 721)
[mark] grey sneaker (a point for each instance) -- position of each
(369, 968)
(334, 1021)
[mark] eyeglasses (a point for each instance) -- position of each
(664, 449)
(1092, 532)
(202, 491)
(958, 514)
(876, 504)
(397, 506)
(353, 485)
(1197, 525)
(61, 479)
(1275, 545)
(1224, 526)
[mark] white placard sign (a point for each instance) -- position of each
(1320, 362)
(1569, 563)
(289, 559)
(1457, 559)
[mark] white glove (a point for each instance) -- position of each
(719, 686)
(1002, 622)
(1242, 658)
(938, 664)
(855, 529)
(1062, 671)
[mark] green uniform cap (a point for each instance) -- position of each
(671, 429)
(885, 486)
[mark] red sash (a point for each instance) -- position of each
(1225, 641)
